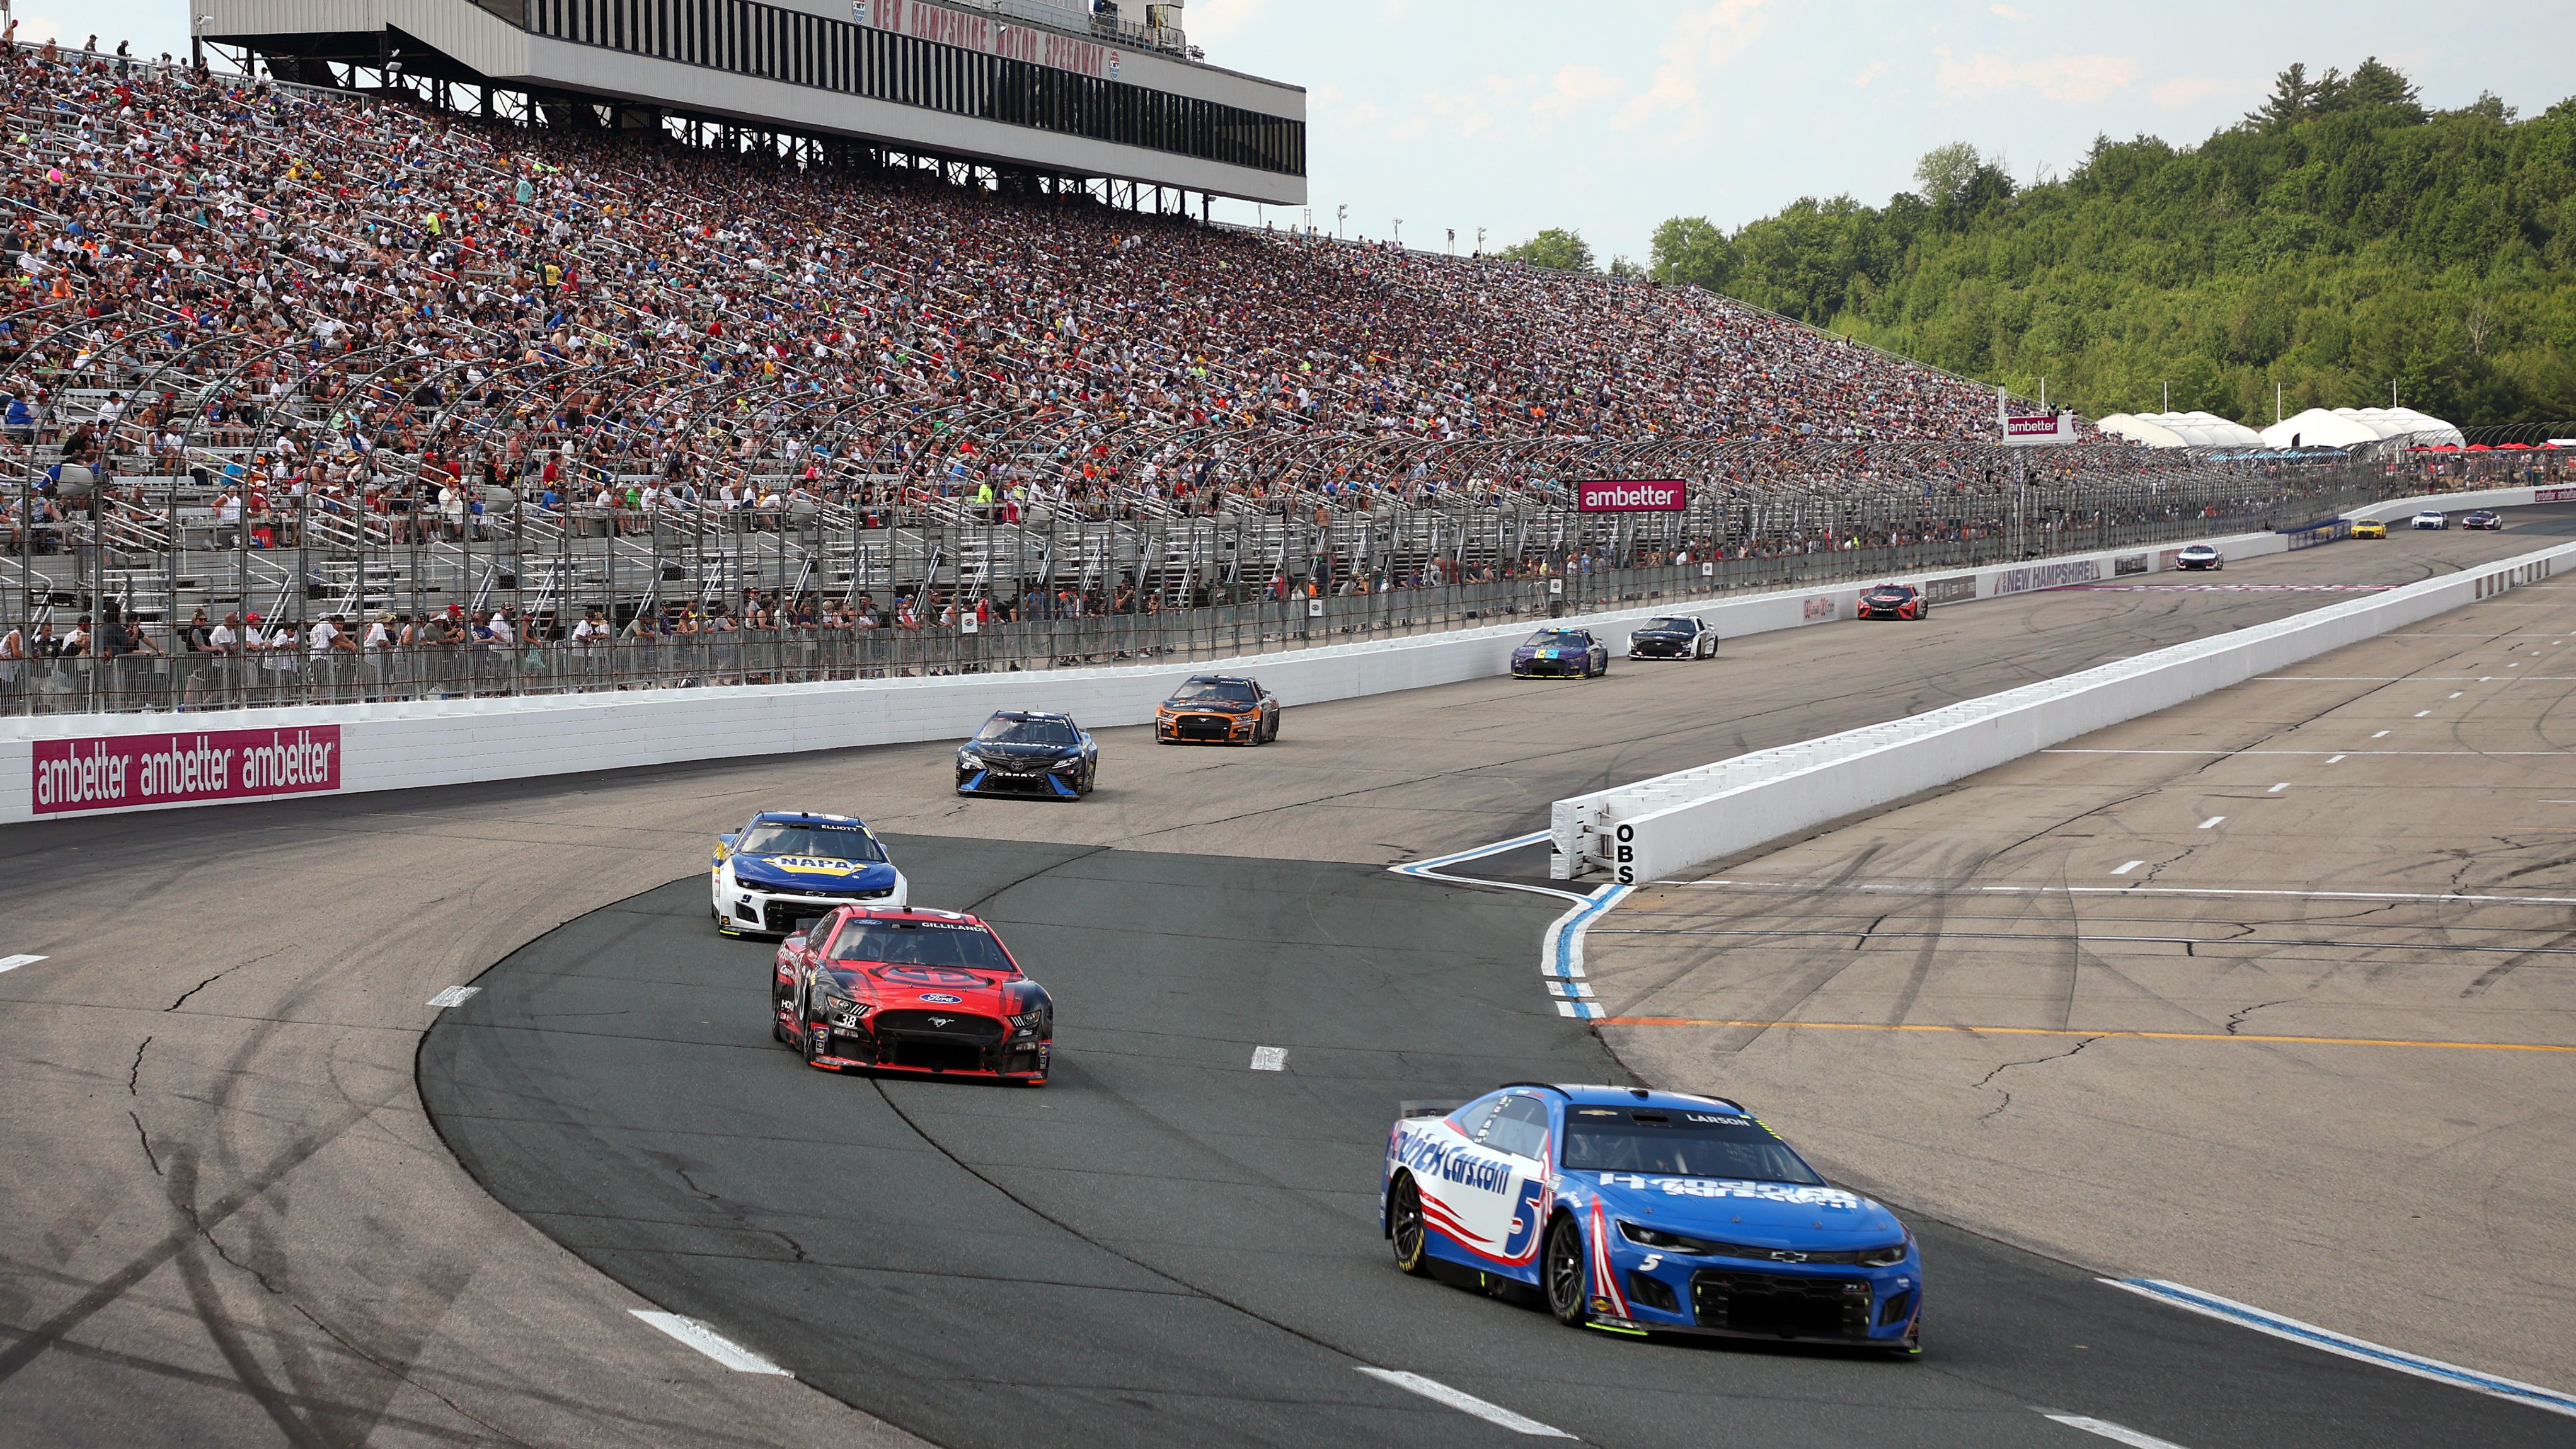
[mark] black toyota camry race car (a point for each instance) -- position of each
(1018, 752)
(1676, 637)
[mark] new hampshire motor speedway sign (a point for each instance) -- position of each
(1630, 495)
(113, 772)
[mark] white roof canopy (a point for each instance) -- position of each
(2180, 430)
(2351, 427)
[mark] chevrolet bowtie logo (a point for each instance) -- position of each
(1788, 1255)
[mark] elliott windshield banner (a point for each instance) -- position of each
(111, 772)
(1630, 495)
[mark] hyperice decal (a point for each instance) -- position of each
(1832, 1197)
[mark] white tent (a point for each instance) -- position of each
(2351, 427)
(2180, 430)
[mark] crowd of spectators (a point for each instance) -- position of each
(381, 307)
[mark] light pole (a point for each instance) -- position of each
(1480, 241)
(1399, 245)
(1341, 214)
(1453, 241)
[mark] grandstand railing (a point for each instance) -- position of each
(1175, 590)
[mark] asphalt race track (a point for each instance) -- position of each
(226, 1216)
(1165, 1247)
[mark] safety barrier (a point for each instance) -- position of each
(1668, 825)
(91, 763)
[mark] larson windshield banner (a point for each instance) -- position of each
(1630, 495)
(110, 772)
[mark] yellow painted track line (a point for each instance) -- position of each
(2465, 1046)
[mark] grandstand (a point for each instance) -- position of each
(297, 350)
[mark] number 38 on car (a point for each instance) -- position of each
(1641, 1212)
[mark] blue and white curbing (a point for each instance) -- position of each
(1561, 954)
(2246, 1315)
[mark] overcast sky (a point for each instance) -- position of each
(1514, 115)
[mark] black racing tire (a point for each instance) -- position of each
(1564, 1274)
(1405, 1227)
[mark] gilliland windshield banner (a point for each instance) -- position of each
(1630, 495)
(111, 772)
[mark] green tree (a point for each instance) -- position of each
(1945, 172)
(1557, 248)
(1692, 249)
(2342, 237)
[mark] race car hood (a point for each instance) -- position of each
(1758, 1214)
(1550, 651)
(905, 987)
(1659, 634)
(812, 872)
(1209, 706)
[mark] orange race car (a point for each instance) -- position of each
(1217, 709)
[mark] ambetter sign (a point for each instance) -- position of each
(1630, 495)
(110, 772)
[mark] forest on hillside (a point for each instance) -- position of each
(2340, 239)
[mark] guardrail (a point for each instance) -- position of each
(86, 763)
(1670, 824)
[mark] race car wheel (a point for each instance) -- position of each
(812, 1046)
(1411, 1239)
(1565, 1272)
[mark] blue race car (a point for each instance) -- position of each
(1640, 1212)
(1560, 653)
(792, 865)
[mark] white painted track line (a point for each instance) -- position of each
(2277, 789)
(2383, 734)
(2113, 1432)
(454, 996)
(1464, 1403)
(711, 1343)
(2245, 1315)
(2211, 821)
(2335, 760)
(12, 963)
(1269, 1059)
(1932, 888)
(2132, 865)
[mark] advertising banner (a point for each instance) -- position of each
(1630, 495)
(1821, 607)
(108, 772)
(2049, 576)
(2129, 563)
(1956, 589)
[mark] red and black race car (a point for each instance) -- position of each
(1894, 601)
(929, 992)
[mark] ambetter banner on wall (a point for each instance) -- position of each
(108, 772)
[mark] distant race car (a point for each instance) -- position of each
(2369, 528)
(787, 865)
(932, 992)
(1894, 601)
(1641, 1212)
(1019, 752)
(1675, 637)
(1217, 709)
(1560, 653)
(2199, 556)
(2484, 518)
(2432, 518)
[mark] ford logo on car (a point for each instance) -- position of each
(942, 997)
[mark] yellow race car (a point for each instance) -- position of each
(2369, 528)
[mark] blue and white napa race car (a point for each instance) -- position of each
(1639, 1212)
(792, 865)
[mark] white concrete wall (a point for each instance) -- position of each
(439, 742)
(1666, 827)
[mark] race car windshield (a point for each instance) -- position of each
(1000, 731)
(1211, 691)
(921, 943)
(826, 842)
(1545, 637)
(1668, 626)
(1681, 1145)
